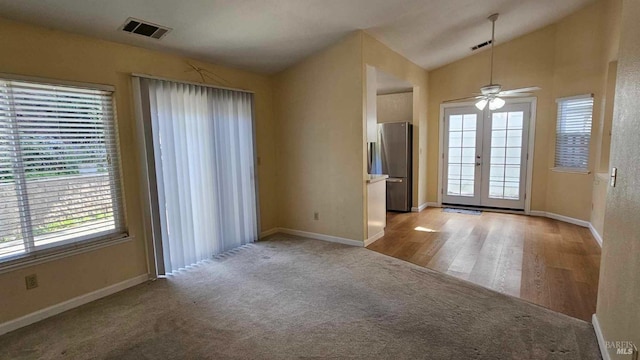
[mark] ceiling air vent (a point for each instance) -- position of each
(480, 46)
(145, 28)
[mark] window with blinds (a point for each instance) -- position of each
(59, 168)
(573, 133)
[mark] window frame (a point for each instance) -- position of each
(565, 169)
(83, 243)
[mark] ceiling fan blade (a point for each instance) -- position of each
(520, 90)
(515, 95)
(462, 99)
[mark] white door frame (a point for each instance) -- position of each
(533, 101)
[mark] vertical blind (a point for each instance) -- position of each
(59, 167)
(573, 132)
(204, 162)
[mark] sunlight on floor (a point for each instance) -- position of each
(420, 228)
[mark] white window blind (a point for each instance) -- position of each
(59, 168)
(573, 133)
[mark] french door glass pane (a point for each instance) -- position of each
(462, 152)
(506, 155)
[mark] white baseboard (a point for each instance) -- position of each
(323, 237)
(269, 232)
(569, 220)
(419, 208)
(601, 342)
(595, 234)
(70, 304)
(424, 206)
(563, 218)
(374, 238)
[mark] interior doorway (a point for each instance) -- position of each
(486, 156)
(395, 146)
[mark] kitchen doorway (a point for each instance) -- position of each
(486, 158)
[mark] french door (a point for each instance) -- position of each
(485, 156)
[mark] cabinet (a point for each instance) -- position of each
(376, 206)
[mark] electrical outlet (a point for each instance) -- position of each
(31, 281)
(316, 216)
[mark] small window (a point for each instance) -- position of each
(573, 133)
(59, 169)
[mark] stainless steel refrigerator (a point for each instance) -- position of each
(394, 150)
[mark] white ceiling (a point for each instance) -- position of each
(389, 84)
(269, 35)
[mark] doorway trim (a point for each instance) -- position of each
(533, 102)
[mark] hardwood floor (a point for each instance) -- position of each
(547, 262)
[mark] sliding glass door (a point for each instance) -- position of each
(485, 157)
(203, 171)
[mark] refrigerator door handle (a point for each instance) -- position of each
(369, 157)
(395, 180)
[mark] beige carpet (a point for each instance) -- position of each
(296, 298)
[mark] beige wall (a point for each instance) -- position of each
(320, 134)
(618, 309)
(381, 57)
(599, 200)
(579, 68)
(36, 51)
(320, 106)
(563, 59)
(604, 120)
(600, 180)
(395, 107)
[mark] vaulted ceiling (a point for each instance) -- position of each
(269, 35)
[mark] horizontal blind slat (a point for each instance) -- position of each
(35, 182)
(93, 213)
(22, 120)
(76, 214)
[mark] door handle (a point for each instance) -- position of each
(394, 180)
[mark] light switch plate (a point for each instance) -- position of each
(614, 176)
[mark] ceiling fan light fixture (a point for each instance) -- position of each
(496, 103)
(491, 89)
(491, 94)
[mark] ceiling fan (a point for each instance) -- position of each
(493, 94)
